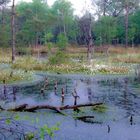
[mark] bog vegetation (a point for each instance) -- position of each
(38, 38)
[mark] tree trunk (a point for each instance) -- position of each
(65, 30)
(64, 25)
(126, 24)
(104, 7)
(13, 32)
(37, 45)
(90, 41)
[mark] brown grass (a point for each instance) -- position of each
(43, 49)
(76, 49)
(126, 59)
(122, 50)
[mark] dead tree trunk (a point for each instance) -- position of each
(86, 28)
(13, 31)
(90, 41)
(126, 24)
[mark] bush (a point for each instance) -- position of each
(58, 58)
(62, 41)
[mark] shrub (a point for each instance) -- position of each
(58, 58)
(62, 41)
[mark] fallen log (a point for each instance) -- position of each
(79, 106)
(34, 108)
(18, 108)
(27, 108)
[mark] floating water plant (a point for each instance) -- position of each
(100, 109)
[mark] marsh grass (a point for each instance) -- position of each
(128, 58)
(118, 63)
(123, 50)
(14, 76)
(32, 64)
(5, 55)
(28, 64)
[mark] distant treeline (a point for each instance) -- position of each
(36, 23)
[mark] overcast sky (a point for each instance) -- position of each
(78, 5)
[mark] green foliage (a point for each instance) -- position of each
(100, 108)
(4, 36)
(58, 58)
(30, 136)
(8, 121)
(62, 41)
(105, 30)
(134, 26)
(64, 11)
(48, 130)
(41, 24)
(17, 117)
(33, 21)
(48, 37)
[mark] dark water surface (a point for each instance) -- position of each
(120, 94)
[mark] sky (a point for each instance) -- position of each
(78, 5)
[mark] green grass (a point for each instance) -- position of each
(14, 76)
(96, 67)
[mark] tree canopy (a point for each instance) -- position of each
(117, 21)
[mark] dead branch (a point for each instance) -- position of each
(18, 108)
(27, 108)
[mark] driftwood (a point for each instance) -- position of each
(27, 108)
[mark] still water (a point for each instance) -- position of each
(120, 94)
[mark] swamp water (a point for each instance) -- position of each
(119, 120)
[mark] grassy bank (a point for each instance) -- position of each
(74, 60)
(10, 76)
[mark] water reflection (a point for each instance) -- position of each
(120, 95)
(117, 91)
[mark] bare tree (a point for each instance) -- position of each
(13, 31)
(126, 5)
(86, 28)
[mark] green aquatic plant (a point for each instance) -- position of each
(48, 130)
(30, 136)
(100, 108)
(8, 121)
